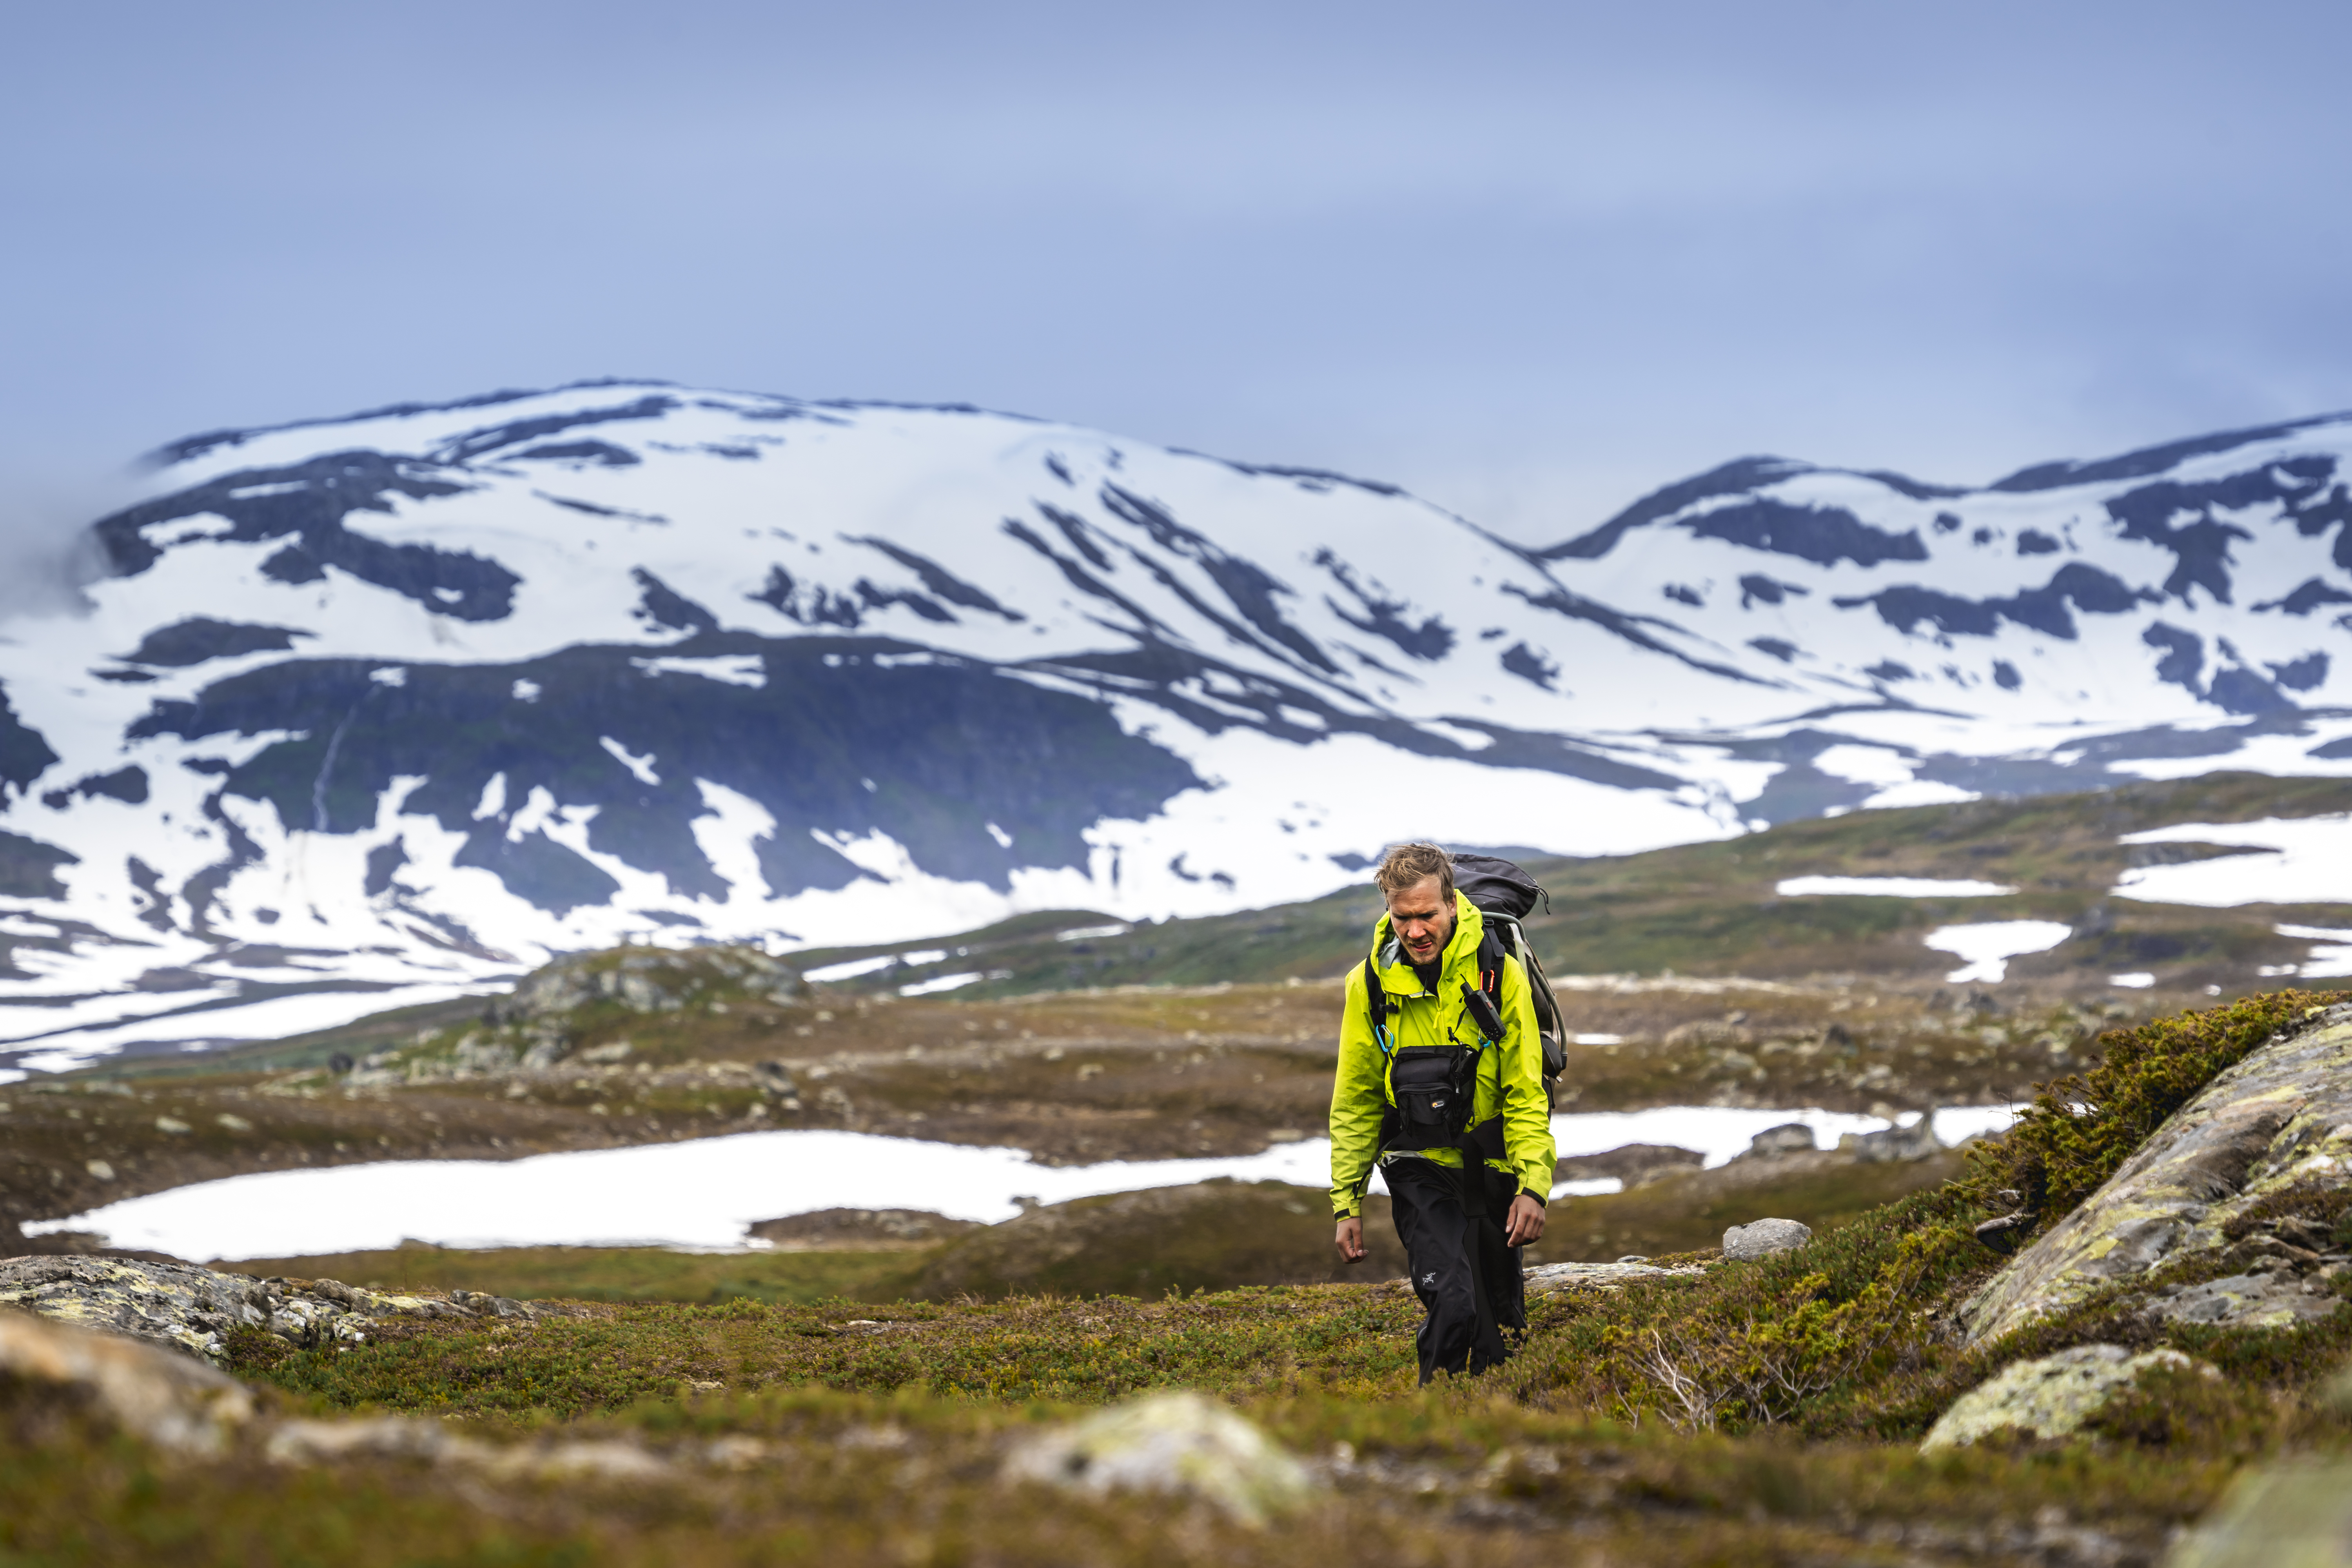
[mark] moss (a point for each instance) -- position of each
(2081, 1129)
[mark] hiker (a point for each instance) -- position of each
(1439, 1054)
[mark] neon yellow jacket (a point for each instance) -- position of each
(1510, 1079)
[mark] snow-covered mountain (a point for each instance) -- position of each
(386, 708)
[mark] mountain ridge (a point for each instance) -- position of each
(405, 702)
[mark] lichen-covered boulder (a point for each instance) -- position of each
(2281, 1117)
(2271, 1300)
(2051, 1396)
(182, 1307)
(1763, 1237)
(1176, 1442)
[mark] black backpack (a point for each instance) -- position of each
(1505, 895)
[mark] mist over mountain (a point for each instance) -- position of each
(391, 707)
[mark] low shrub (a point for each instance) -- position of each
(2080, 1129)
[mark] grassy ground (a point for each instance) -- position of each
(1442, 1479)
(1762, 1413)
(613, 1273)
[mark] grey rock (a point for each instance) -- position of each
(1763, 1237)
(2280, 1118)
(775, 1078)
(1174, 1443)
(1544, 1278)
(2051, 1396)
(2267, 1300)
(1891, 1144)
(484, 1055)
(1788, 1138)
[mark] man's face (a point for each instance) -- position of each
(1422, 918)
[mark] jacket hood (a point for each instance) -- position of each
(1396, 971)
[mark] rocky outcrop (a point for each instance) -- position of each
(1634, 1163)
(2051, 1396)
(1788, 1138)
(539, 1025)
(644, 980)
(2279, 1120)
(180, 1307)
(1917, 1141)
(1174, 1443)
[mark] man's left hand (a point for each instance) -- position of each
(1525, 1223)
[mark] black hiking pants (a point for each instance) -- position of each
(1468, 1279)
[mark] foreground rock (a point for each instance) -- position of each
(191, 1410)
(169, 1400)
(2051, 1396)
(1545, 1278)
(2296, 1513)
(2280, 1119)
(182, 1307)
(1177, 1443)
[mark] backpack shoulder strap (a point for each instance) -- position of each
(1376, 1003)
(1491, 949)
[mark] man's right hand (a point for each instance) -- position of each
(1351, 1239)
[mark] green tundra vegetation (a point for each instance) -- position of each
(1757, 1413)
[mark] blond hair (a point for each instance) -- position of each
(1409, 865)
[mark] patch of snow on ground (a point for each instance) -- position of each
(704, 1193)
(2333, 958)
(1890, 887)
(1918, 792)
(951, 982)
(850, 970)
(2138, 979)
(2307, 860)
(1986, 946)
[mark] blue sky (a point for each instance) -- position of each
(1529, 259)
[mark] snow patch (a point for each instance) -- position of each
(1988, 945)
(2306, 860)
(1890, 887)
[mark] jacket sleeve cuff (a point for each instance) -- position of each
(1543, 1198)
(1348, 1213)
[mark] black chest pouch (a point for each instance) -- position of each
(1434, 1088)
